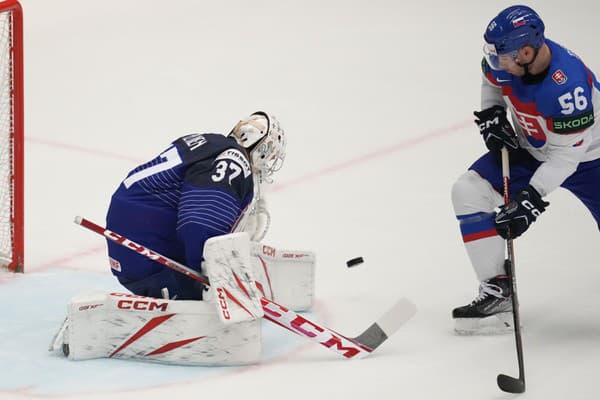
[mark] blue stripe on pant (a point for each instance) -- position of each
(477, 226)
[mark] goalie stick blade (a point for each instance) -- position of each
(387, 325)
(511, 385)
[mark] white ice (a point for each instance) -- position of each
(376, 97)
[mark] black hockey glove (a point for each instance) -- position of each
(514, 218)
(497, 132)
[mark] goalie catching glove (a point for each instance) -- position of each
(495, 129)
(514, 218)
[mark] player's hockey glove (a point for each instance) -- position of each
(495, 129)
(514, 218)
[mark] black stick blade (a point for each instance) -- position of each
(511, 385)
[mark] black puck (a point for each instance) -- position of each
(354, 261)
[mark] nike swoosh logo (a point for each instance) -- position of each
(503, 80)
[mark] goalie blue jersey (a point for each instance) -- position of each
(195, 189)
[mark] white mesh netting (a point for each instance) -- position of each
(6, 139)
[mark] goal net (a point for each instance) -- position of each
(11, 136)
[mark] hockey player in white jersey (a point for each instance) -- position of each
(553, 99)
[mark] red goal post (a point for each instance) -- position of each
(11, 136)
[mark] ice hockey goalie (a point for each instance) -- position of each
(191, 332)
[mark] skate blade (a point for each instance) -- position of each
(497, 324)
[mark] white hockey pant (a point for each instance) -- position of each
(474, 200)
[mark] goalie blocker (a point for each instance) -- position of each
(188, 332)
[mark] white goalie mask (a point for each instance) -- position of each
(261, 135)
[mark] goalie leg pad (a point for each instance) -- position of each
(286, 276)
(182, 332)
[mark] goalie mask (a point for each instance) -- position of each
(261, 135)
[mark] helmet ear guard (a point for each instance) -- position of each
(264, 139)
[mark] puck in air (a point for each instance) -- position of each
(354, 261)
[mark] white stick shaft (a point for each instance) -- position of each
(505, 174)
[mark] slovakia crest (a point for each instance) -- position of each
(559, 77)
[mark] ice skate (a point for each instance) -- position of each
(490, 313)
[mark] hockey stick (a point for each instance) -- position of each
(357, 347)
(505, 382)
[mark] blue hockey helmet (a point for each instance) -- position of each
(509, 31)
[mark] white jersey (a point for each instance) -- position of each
(554, 116)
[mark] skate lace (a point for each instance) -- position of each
(486, 289)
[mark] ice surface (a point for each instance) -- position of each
(376, 97)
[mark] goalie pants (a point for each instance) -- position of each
(154, 228)
(180, 286)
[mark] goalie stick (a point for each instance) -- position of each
(357, 347)
(508, 383)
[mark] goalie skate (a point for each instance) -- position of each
(490, 313)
